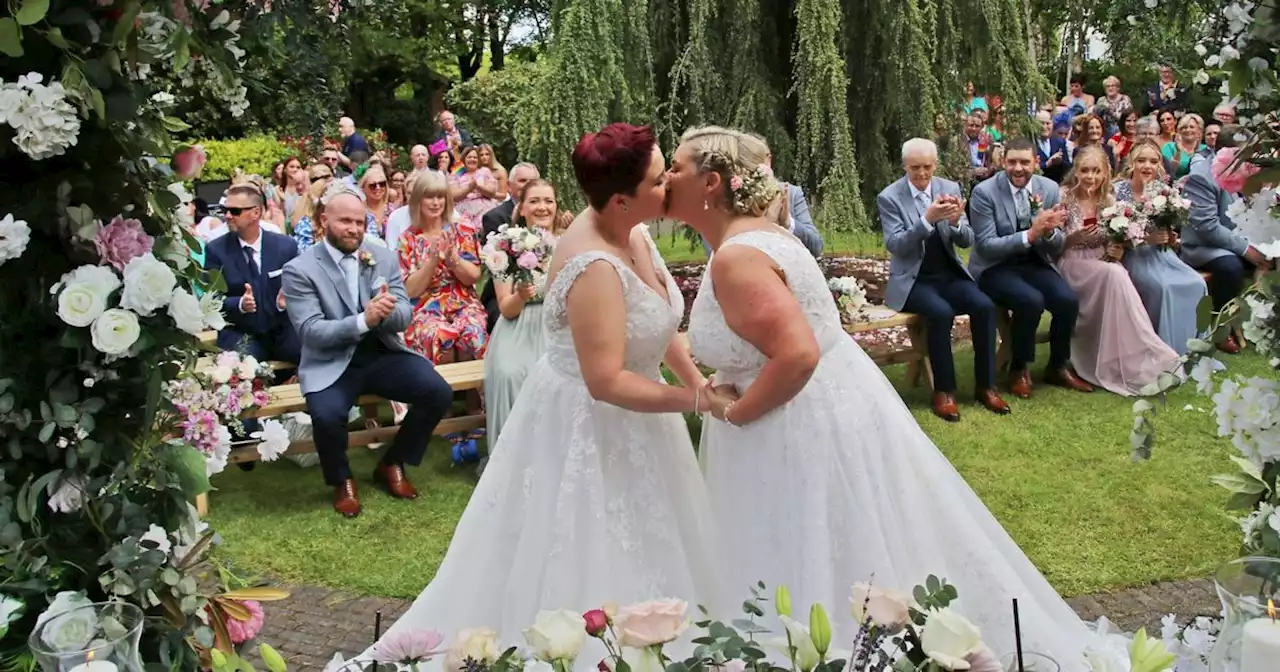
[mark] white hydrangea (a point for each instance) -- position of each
(14, 237)
(45, 123)
(274, 440)
(1247, 410)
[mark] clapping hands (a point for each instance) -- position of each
(946, 207)
(379, 308)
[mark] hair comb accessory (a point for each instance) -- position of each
(360, 171)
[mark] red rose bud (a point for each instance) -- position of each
(188, 162)
(604, 666)
(597, 622)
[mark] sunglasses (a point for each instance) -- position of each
(378, 185)
(321, 178)
(235, 212)
(330, 159)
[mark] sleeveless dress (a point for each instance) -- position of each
(840, 485)
(589, 504)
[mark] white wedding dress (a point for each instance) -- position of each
(583, 502)
(840, 485)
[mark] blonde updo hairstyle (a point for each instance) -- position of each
(730, 153)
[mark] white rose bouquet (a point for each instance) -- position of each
(849, 296)
(1164, 208)
(1123, 226)
(518, 254)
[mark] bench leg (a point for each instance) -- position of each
(202, 504)
(921, 363)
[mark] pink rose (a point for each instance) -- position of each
(651, 623)
(597, 621)
(735, 183)
(243, 631)
(527, 260)
(188, 162)
(122, 240)
(983, 660)
(1229, 178)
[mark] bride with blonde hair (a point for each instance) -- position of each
(819, 468)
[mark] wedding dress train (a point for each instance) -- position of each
(840, 485)
(582, 502)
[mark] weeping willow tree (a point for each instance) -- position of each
(835, 87)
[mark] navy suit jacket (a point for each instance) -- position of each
(1059, 171)
(224, 253)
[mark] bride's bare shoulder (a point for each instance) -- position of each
(578, 239)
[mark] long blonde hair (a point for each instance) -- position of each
(429, 183)
(494, 165)
(1147, 145)
(732, 153)
(1071, 187)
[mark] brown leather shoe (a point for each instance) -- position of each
(1020, 384)
(990, 399)
(1067, 378)
(391, 477)
(1230, 346)
(345, 500)
(944, 406)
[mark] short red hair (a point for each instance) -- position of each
(612, 161)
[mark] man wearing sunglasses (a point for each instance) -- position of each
(251, 260)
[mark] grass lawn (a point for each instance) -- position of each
(1056, 473)
(675, 248)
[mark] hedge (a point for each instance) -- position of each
(253, 155)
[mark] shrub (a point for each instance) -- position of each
(253, 155)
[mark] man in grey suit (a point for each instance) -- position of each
(1017, 228)
(923, 221)
(801, 221)
(348, 304)
(1210, 242)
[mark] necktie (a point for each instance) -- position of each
(350, 269)
(1024, 204)
(253, 263)
(922, 203)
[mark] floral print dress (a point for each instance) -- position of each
(449, 316)
(471, 208)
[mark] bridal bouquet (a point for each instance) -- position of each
(518, 254)
(1163, 207)
(1122, 225)
(849, 296)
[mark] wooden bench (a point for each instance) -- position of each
(289, 399)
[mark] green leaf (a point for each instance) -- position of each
(54, 35)
(181, 50)
(46, 432)
(32, 11)
(6, 403)
(1243, 502)
(1240, 483)
(1249, 468)
(10, 37)
(124, 24)
(174, 125)
(188, 464)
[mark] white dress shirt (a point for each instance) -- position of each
(928, 195)
(337, 256)
(255, 249)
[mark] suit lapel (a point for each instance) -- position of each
(1006, 200)
(366, 280)
(907, 203)
(331, 268)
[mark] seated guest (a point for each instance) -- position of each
(923, 221)
(251, 260)
(1170, 289)
(348, 303)
(1114, 346)
(1149, 129)
(798, 218)
(1211, 132)
(1016, 229)
(491, 221)
(399, 221)
(1210, 242)
(1121, 143)
(1052, 155)
(516, 343)
(1087, 130)
(1186, 144)
(474, 190)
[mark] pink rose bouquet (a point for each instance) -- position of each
(121, 241)
(518, 254)
(1122, 225)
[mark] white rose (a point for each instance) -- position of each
(14, 236)
(148, 284)
(497, 261)
(1159, 202)
(221, 374)
(248, 367)
(557, 635)
(71, 625)
(477, 644)
(101, 279)
(115, 331)
(948, 638)
(80, 304)
(186, 312)
(532, 241)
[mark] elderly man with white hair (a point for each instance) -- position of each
(923, 220)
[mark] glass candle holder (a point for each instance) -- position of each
(101, 637)
(1031, 662)
(1245, 586)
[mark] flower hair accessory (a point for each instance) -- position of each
(360, 171)
(753, 192)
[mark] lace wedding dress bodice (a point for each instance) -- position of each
(651, 321)
(715, 344)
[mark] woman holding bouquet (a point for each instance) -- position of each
(1114, 345)
(517, 341)
(1170, 289)
(440, 263)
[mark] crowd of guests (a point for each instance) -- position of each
(1121, 315)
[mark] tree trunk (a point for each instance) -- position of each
(497, 44)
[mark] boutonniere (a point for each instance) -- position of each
(1037, 202)
(366, 258)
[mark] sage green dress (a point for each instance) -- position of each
(514, 347)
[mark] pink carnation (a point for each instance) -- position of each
(735, 183)
(1229, 178)
(122, 240)
(527, 260)
(243, 631)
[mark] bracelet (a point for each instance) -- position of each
(724, 415)
(697, 397)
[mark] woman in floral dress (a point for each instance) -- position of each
(474, 190)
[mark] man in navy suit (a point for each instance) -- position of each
(1051, 151)
(251, 261)
(923, 220)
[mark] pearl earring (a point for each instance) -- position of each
(705, 204)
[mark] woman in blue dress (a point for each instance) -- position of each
(1171, 290)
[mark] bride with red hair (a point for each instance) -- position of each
(593, 492)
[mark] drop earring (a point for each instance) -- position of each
(705, 204)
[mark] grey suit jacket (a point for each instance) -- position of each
(905, 233)
(994, 218)
(1209, 233)
(805, 229)
(320, 308)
